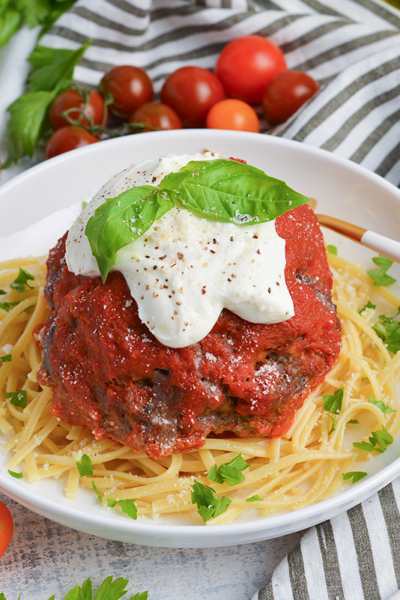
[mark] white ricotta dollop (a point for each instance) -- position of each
(184, 270)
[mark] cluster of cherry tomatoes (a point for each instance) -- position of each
(250, 70)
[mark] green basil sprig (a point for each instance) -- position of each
(220, 190)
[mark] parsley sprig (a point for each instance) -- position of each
(21, 281)
(85, 467)
(380, 276)
(230, 472)
(127, 506)
(110, 589)
(333, 402)
(381, 438)
(388, 329)
(354, 475)
(385, 408)
(208, 504)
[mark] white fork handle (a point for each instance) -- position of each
(381, 244)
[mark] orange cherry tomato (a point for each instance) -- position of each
(156, 115)
(6, 528)
(246, 65)
(284, 95)
(233, 114)
(68, 138)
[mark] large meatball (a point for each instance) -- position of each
(108, 372)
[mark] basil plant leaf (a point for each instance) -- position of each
(230, 191)
(121, 220)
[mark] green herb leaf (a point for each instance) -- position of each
(368, 305)
(6, 358)
(229, 472)
(85, 467)
(380, 276)
(353, 422)
(208, 504)
(21, 281)
(333, 402)
(230, 191)
(383, 262)
(355, 475)
(86, 590)
(382, 438)
(3, 292)
(27, 123)
(112, 590)
(7, 306)
(129, 508)
(74, 594)
(121, 220)
(140, 596)
(333, 428)
(255, 498)
(17, 398)
(111, 502)
(94, 486)
(16, 475)
(388, 329)
(10, 22)
(382, 405)
(332, 249)
(2, 596)
(34, 11)
(53, 66)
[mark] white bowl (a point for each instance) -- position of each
(342, 188)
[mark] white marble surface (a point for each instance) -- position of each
(45, 558)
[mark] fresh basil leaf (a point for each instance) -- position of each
(17, 398)
(6, 358)
(85, 467)
(111, 502)
(382, 438)
(94, 486)
(368, 305)
(26, 124)
(7, 306)
(53, 66)
(333, 402)
(229, 472)
(112, 590)
(230, 191)
(21, 281)
(353, 422)
(382, 405)
(16, 475)
(129, 508)
(354, 475)
(383, 262)
(121, 220)
(255, 498)
(381, 278)
(332, 249)
(208, 504)
(10, 22)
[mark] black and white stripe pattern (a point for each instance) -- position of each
(352, 47)
(326, 566)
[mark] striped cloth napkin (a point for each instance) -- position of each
(352, 47)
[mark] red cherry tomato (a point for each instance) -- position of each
(285, 94)
(246, 65)
(130, 87)
(192, 91)
(66, 139)
(156, 115)
(6, 528)
(233, 114)
(73, 99)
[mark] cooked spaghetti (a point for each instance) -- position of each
(305, 466)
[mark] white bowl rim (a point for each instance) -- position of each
(348, 496)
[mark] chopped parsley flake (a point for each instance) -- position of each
(380, 276)
(208, 504)
(6, 358)
(333, 402)
(382, 438)
(382, 405)
(332, 249)
(388, 329)
(16, 475)
(85, 467)
(17, 398)
(21, 281)
(255, 498)
(229, 472)
(354, 475)
(368, 305)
